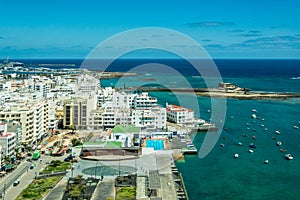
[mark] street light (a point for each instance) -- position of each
(96, 168)
(72, 169)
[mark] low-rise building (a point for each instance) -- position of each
(179, 115)
(153, 118)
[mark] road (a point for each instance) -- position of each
(25, 176)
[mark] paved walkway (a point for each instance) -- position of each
(58, 190)
(104, 190)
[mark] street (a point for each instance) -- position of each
(24, 176)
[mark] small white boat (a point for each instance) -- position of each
(231, 117)
(262, 125)
(277, 132)
(266, 129)
(222, 145)
(254, 110)
(208, 111)
(266, 161)
(247, 124)
(279, 143)
(289, 156)
(251, 151)
(296, 127)
(262, 119)
(236, 155)
(253, 116)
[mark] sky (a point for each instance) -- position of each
(225, 29)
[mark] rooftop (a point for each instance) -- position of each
(126, 129)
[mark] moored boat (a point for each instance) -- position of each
(252, 145)
(289, 156)
(282, 150)
(279, 143)
(266, 161)
(253, 116)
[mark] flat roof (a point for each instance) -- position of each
(126, 129)
(154, 180)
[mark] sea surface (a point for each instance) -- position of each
(219, 175)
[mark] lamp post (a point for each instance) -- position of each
(96, 169)
(72, 169)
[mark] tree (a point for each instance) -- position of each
(56, 143)
(55, 163)
(76, 142)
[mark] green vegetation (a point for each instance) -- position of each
(76, 142)
(56, 144)
(127, 193)
(38, 188)
(57, 165)
(126, 129)
(76, 191)
(109, 144)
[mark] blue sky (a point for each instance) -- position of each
(226, 29)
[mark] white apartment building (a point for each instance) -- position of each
(104, 95)
(7, 140)
(87, 85)
(153, 118)
(22, 115)
(42, 88)
(179, 115)
(143, 101)
(32, 117)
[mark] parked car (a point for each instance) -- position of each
(31, 167)
(69, 150)
(17, 182)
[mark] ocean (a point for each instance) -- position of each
(219, 175)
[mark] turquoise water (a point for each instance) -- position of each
(155, 144)
(219, 175)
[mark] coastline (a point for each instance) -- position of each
(223, 94)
